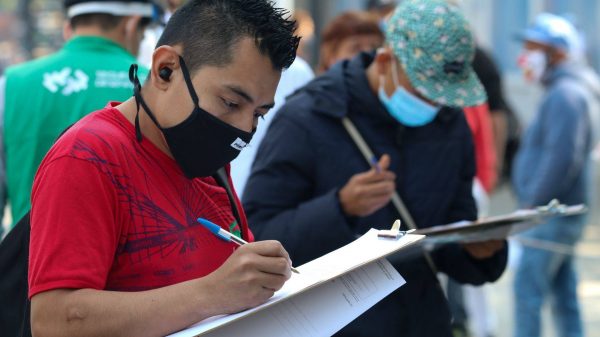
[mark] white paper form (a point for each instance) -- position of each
(364, 250)
(323, 310)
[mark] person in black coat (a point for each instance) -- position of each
(312, 189)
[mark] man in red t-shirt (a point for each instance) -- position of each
(115, 245)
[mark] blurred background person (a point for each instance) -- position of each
(505, 125)
(90, 68)
(346, 35)
(554, 162)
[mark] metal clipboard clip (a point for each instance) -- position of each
(554, 207)
(394, 233)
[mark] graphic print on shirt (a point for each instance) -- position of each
(112, 79)
(157, 233)
(70, 81)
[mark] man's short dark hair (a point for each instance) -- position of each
(207, 30)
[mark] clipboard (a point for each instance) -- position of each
(498, 227)
(323, 288)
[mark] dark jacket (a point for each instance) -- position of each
(307, 156)
(14, 304)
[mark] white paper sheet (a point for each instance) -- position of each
(323, 276)
(323, 310)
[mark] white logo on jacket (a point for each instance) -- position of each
(112, 79)
(69, 81)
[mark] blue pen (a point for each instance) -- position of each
(375, 164)
(221, 233)
(225, 235)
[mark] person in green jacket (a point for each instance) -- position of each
(41, 98)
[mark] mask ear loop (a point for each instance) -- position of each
(137, 87)
(188, 81)
(394, 77)
(397, 81)
(133, 78)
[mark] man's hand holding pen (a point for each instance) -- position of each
(250, 276)
(367, 192)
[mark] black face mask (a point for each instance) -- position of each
(202, 143)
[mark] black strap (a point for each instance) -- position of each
(137, 93)
(188, 81)
(223, 181)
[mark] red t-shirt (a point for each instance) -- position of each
(111, 213)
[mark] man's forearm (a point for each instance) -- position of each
(89, 312)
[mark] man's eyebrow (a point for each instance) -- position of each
(240, 92)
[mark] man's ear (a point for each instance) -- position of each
(165, 59)
(67, 31)
(383, 60)
(132, 25)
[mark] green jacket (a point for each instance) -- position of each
(45, 96)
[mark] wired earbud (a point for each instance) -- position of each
(165, 73)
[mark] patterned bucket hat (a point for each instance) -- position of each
(434, 44)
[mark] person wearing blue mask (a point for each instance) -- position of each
(554, 161)
(312, 189)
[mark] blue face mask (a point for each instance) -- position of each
(406, 108)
